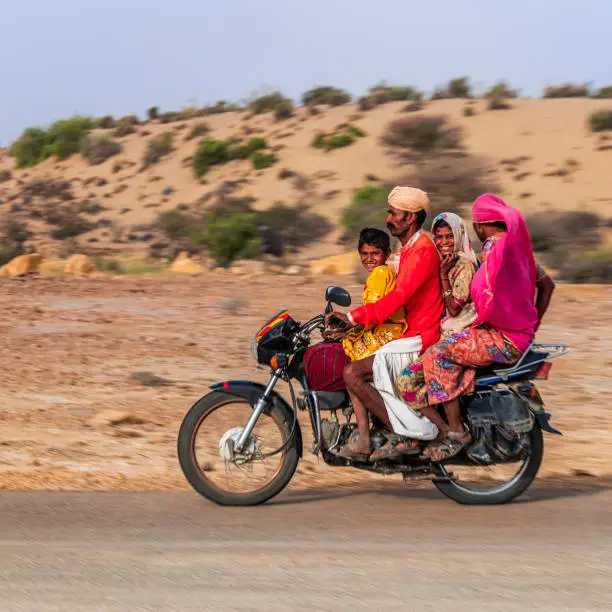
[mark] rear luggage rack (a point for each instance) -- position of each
(535, 354)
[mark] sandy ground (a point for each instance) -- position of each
(71, 347)
(525, 145)
(328, 549)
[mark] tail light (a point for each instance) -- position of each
(543, 370)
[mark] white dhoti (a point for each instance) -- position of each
(389, 362)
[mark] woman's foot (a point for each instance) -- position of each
(451, 446)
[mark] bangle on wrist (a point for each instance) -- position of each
(447, 293)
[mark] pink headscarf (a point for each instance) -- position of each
(503, 289)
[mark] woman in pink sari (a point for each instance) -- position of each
(503, 292)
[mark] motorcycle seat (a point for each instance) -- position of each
(331, 400)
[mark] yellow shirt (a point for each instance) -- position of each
(361, 343)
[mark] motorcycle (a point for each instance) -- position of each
(259, 431)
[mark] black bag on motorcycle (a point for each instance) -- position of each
(500, 422)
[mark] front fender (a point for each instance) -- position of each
(252, 391)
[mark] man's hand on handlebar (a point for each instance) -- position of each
(336, 326)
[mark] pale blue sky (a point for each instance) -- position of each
(62, 57)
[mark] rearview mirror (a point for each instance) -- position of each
(339, 296)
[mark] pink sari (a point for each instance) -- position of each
(503, 289)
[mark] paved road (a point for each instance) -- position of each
(395, 548)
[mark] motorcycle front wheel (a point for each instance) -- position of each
(500, 484)
(206, 456)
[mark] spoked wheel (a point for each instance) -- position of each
(496, 484)
(206, 451)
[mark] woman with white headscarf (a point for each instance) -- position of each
(457, 269)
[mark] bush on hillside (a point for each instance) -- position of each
(28, 148)
(600, 120)
(242, 150)
(219, 107)
(418, 137)
(105, 123)
(590, 267)
(126, 126)
(97, 149)
(157, 147)
(567, 90)
(229, 236)
(13, 236)
(603, 92)
(198, 130)
(284, 110)
(5, 175)
(153, 113)
(261, 160)
(383, 94)
(503, 90)
(268, 103)
(64, 137)
(367, 209)
(324, 94)
(459, 88)
(297, 227)
(453, 184)
(67, 221)
(344, 136)
(209, 153)
(456, 88)
(560, 235)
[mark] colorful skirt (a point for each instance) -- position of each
(450, 366)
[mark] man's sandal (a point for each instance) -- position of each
(396, 448)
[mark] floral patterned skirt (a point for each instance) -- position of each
(449, 367)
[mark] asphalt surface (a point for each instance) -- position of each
(395, 548)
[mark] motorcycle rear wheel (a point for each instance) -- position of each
(201, 479)
(505, 492)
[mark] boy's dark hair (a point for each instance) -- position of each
(375, 237)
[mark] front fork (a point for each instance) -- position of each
(260, 405)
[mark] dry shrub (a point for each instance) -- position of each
(5, 175)
(326, 95)
(415, 138)
(67, 221)
(367, 209)
(97, 149)
(567, 90)
(198, 130)
(269, 103)
(452, 185)
(13, 236)
(157, 147)
(297, 226)
(560, 235)
(126, 125)
(601, 120)
(48, 189)
(603, 92)
(106, 123)
(456, 88)
(590, 267)
(383, 94)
